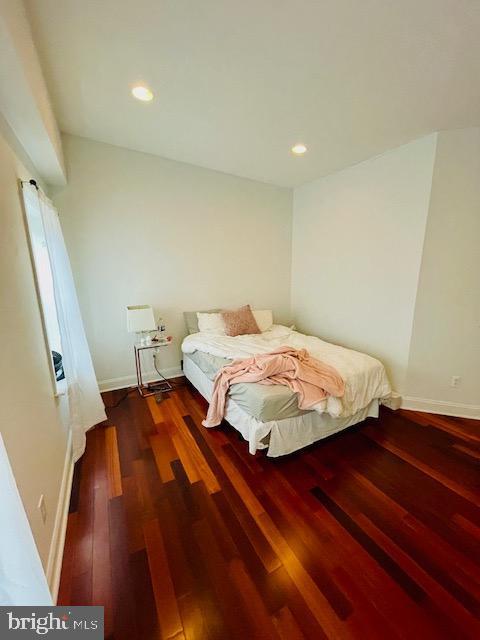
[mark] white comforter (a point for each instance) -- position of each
(364, 376)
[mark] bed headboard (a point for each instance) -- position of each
(191, 320)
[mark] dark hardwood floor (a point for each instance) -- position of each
(180, 533)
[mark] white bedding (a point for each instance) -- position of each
(365, 377)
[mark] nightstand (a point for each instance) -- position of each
(156, 386)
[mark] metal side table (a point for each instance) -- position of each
(155, 386)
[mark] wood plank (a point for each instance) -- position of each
(145, 494)
(253, 605)
(145, 608)
(82, 562)
(450, 425)
(184, 455)
(209, 510)
(196, 624)
(287, 628)
(101, 563)
(453, 485)
(81, 589)
(127, 441)
(123, 597)
(234, 611)
(299, 608)
(155, 410)
(299, 537)
(189, 444)
(166, 603)
(163, 416)
(242, 487)
(473, 453)
(312, 595)
(65, 588)
(472, 529)
(75, 492)
(143, 424)
(164, 453)
(189, 576)
(133, 514)
(113, 462)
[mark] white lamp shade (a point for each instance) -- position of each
(140, 318)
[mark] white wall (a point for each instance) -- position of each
(140, 229)
(144, 230)
(446, 330)
(357, 245)
(30, 417)
(24, 100)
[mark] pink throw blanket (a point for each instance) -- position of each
(311, 379)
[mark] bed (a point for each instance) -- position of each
(268, 417)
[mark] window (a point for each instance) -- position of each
(44, 284)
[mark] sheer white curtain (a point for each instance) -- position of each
(85, 403)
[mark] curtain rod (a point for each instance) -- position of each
(32, 182)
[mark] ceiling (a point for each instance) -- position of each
(238, 83)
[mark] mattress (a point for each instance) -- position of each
(365, 377)
(279, 437)
(263, 402)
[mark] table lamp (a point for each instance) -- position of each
(140, 319)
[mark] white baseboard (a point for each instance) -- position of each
(131, 381)
(445, 408)
(55, 556)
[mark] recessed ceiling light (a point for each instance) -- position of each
(299, 149)
(142, 93)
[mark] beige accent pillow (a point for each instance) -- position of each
(263, 318)
(240, 322)
(211, 323)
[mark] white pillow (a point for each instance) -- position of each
(211, 323)
(264, 319)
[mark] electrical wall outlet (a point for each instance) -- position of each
(455, 381)
(42, 507)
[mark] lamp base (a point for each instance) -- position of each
(144, 339)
